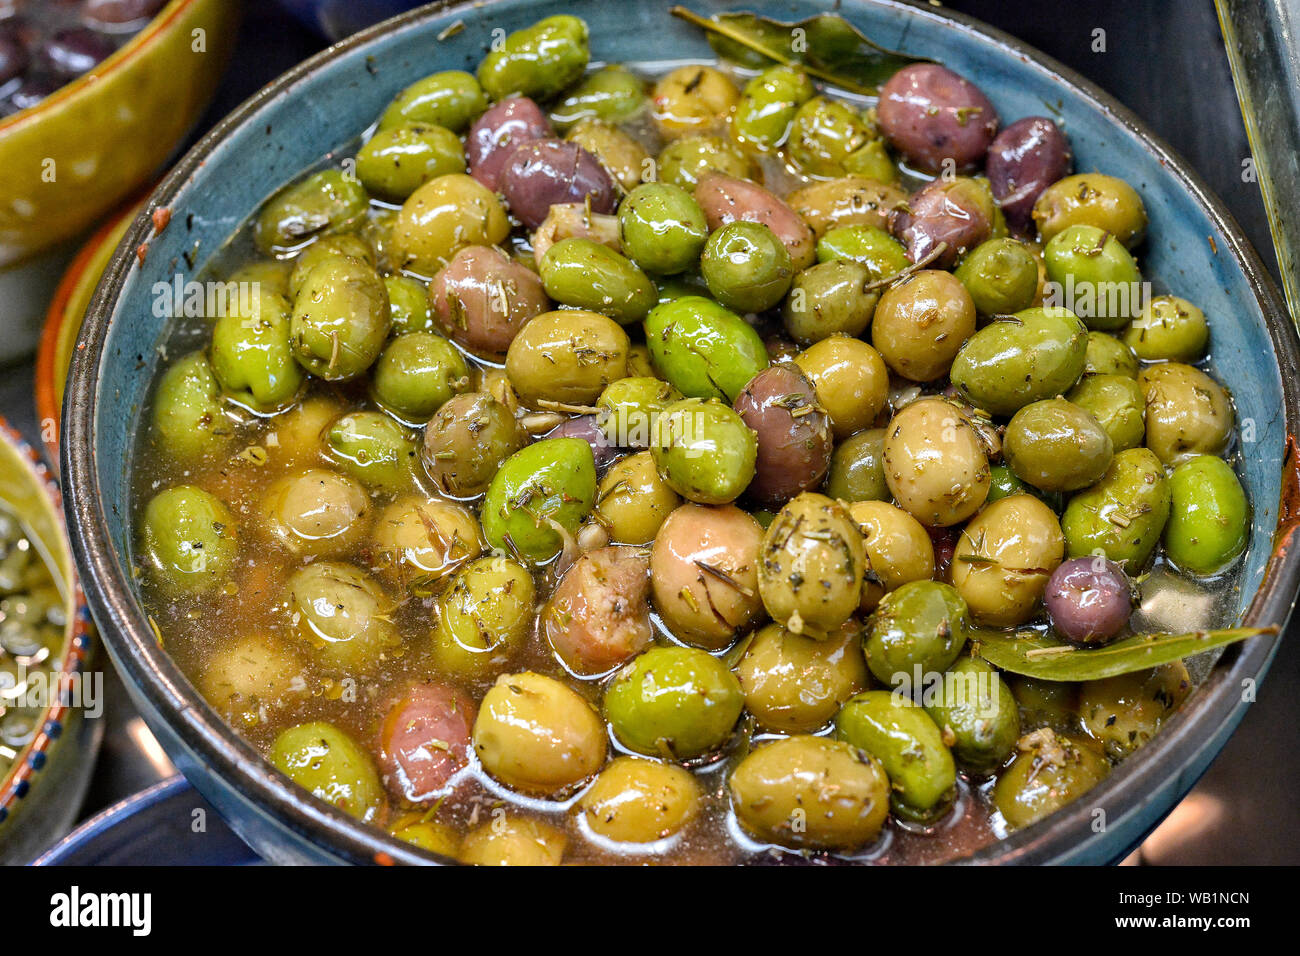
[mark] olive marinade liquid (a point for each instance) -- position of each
(255, 600)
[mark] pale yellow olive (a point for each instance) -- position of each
(419, 540)
(632, 501)
(899, 549)
(251, 675)
(442, 217)
(343, 616)
(1004, 557)
(507, 840)
(849, 201)
(1122, 713)
(316, 512)
(850, 379)
(922, 322)
(566, 357)
(640, 801)
(295, 436)
(693, 99)
(795, 684)
(1188, 413)
(935, 465)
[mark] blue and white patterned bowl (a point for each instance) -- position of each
(1194, 248)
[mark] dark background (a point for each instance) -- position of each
(1164, 59)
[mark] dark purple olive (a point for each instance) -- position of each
(32, 90)
(955, 213)
(1089, 600)
(548, 172)
(584, 426)
(930, 114)
(1024, 159)
(74, 51)
(498, 133)
(794, 434)
(13, 57)
(116, 12)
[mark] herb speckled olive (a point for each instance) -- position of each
(873, 247)
(628, 409)
(851, 381)
(1057, 446)
(513, 840)
(857, 471)
(1004, 557)
(1092, 199)
(684, 162)
(1122, 515)
(442, 217)
(693, 99)
(636, 801)
(1097, 274)
(825, 133)
(623, 156)
(1116, 401)
(1209, 516)
(189, 540)
(374, 448)
(551, 482)
(612, 95)
(340, 319)
(417, 373)
(1050, 770)
(795, 684)
(746, 267)
(451, 98)
(316, 512)
(483, 618)
(1001, 276)
(189, 421)
(538, 61)
(632, 501)
(587, 275)
(343, 616)
(703, 349)
(897, 546)
(663, 229)
(323, 202)
(408, 304)
(1169, 329)
(466, 442)
(251, 354)
(921, 323)
(827, 299)
(847, 201)
(322, 759)
(704, 450)
(399, 160)
(1188, 413)
(566, 356)
(977, 712)
(1124, 712)
(1107, 355)
(923, 624)
(935, 465)
(419, 540)
(1027, 357)
(768, 106)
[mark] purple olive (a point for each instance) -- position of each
(930, 114)
(13, 57)
(1024, 159)
(73, 51)
(955, 213)
(547, 172)
(482, 298)
(1089, 600)
(498, 133)
(794, 434)
(584, 426)
(116, 12)
(31, 91)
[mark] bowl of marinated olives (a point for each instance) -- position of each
(47, 692)
(601, 436)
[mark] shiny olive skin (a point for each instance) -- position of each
(587, 275)
(599, 614)
(632, 501)
(251, 354)
(628, 409)
(921, 323)
(931, 114)
(976, 712)
(408, 304)
(537, 61)
(324, 760)
(440, 839)
(922, 624)
(416, 374)
(424, 740)
(850, 380)
(1107, 355)
(1028, 357)
(501, 130)
(663, 229)
(636, 801)
(189, 540)
(768, 106)
(704, 450)
(419, 540)
(873, 247)
(935, 465)
(831, 298)
(482, 618)
(444, 216)
(537, 735)
(703, 349)
(623, 156)
(810, 792)
(398, 160)
(1169, 329)
(1045, 703)
(323, 202)
(466, 441)
(1188, 413)
(693, 99)
(684, 162)
(549, 172)
(327, 247)
(1089, 601)
(481, 299)
(825, 134)
(812, 564)
(847, 201)
(1001, 276)
(566, 356)
(553, 479)
(956, 215)
(746, 267)
(611, 95)
(1123, 713)
(585, 427)
(795, 684)
(726, 199)
(373, 448)
(1050, 771)
(857, 470)
(1023, 160)
(673, 702)
(188, 420)
(909, 745)
(451, 98)
(1100, 273)
(342, 615)
(1004, 557)
(704, 573)
(794, 434)
(574, 221)
(315, 512)
(1116, 401)
(1209, 517)
(251, 675)
(1091, 199)
(1122, 515)
(1055, 445)
(340, 319)
(1005, 483)
(897, 546)
(514, 841)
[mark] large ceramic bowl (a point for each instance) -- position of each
(1194, 248)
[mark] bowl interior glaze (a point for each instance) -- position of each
(1193, 250)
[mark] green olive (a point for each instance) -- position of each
(1049, 771)
(1027, 357)
(1116, 401)
(340, 319)
(1169, 329)
(831, 298)
(466, 442)
(673, 702)
(851, 381)
(847, 201)
(452, 99)
(251, 675)
(612, 94)
(703, 349)
(1003, 483)
(190, 541)
(1057, 446)
(1001, 276)
(858, 468)
(1095, 274)
(417, 373)
(632, 501)
(483, 618)
(1004, 557)
(686, 161)
(768, 106)
(408, 302)
(444, 216)
(419, 540)
(1188, 413)
(1045, 703)
(373, 448)
(326, 201)
(976, 711)
(825, 133)
(812, 565)
(1122, 515)
(269, 275)
(538, 61)
(327, 247)
(189, 422)
(747, 268)
(439, 838)
(918, 629)
(1209, 516)
(662, 227)
(342, 614)
(921, 322)
(324, 760)
(794, 684)
(1123, 713)
(398, 160)
(509, 840)
(1092, 199)
(566, 357)
(541, 493)
(871, 246)
(629, 408)
(1107, 355)
(636, 801)
(704, 450)
(898, 549)
(588, 275)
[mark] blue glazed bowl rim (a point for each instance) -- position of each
(1187, 741)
